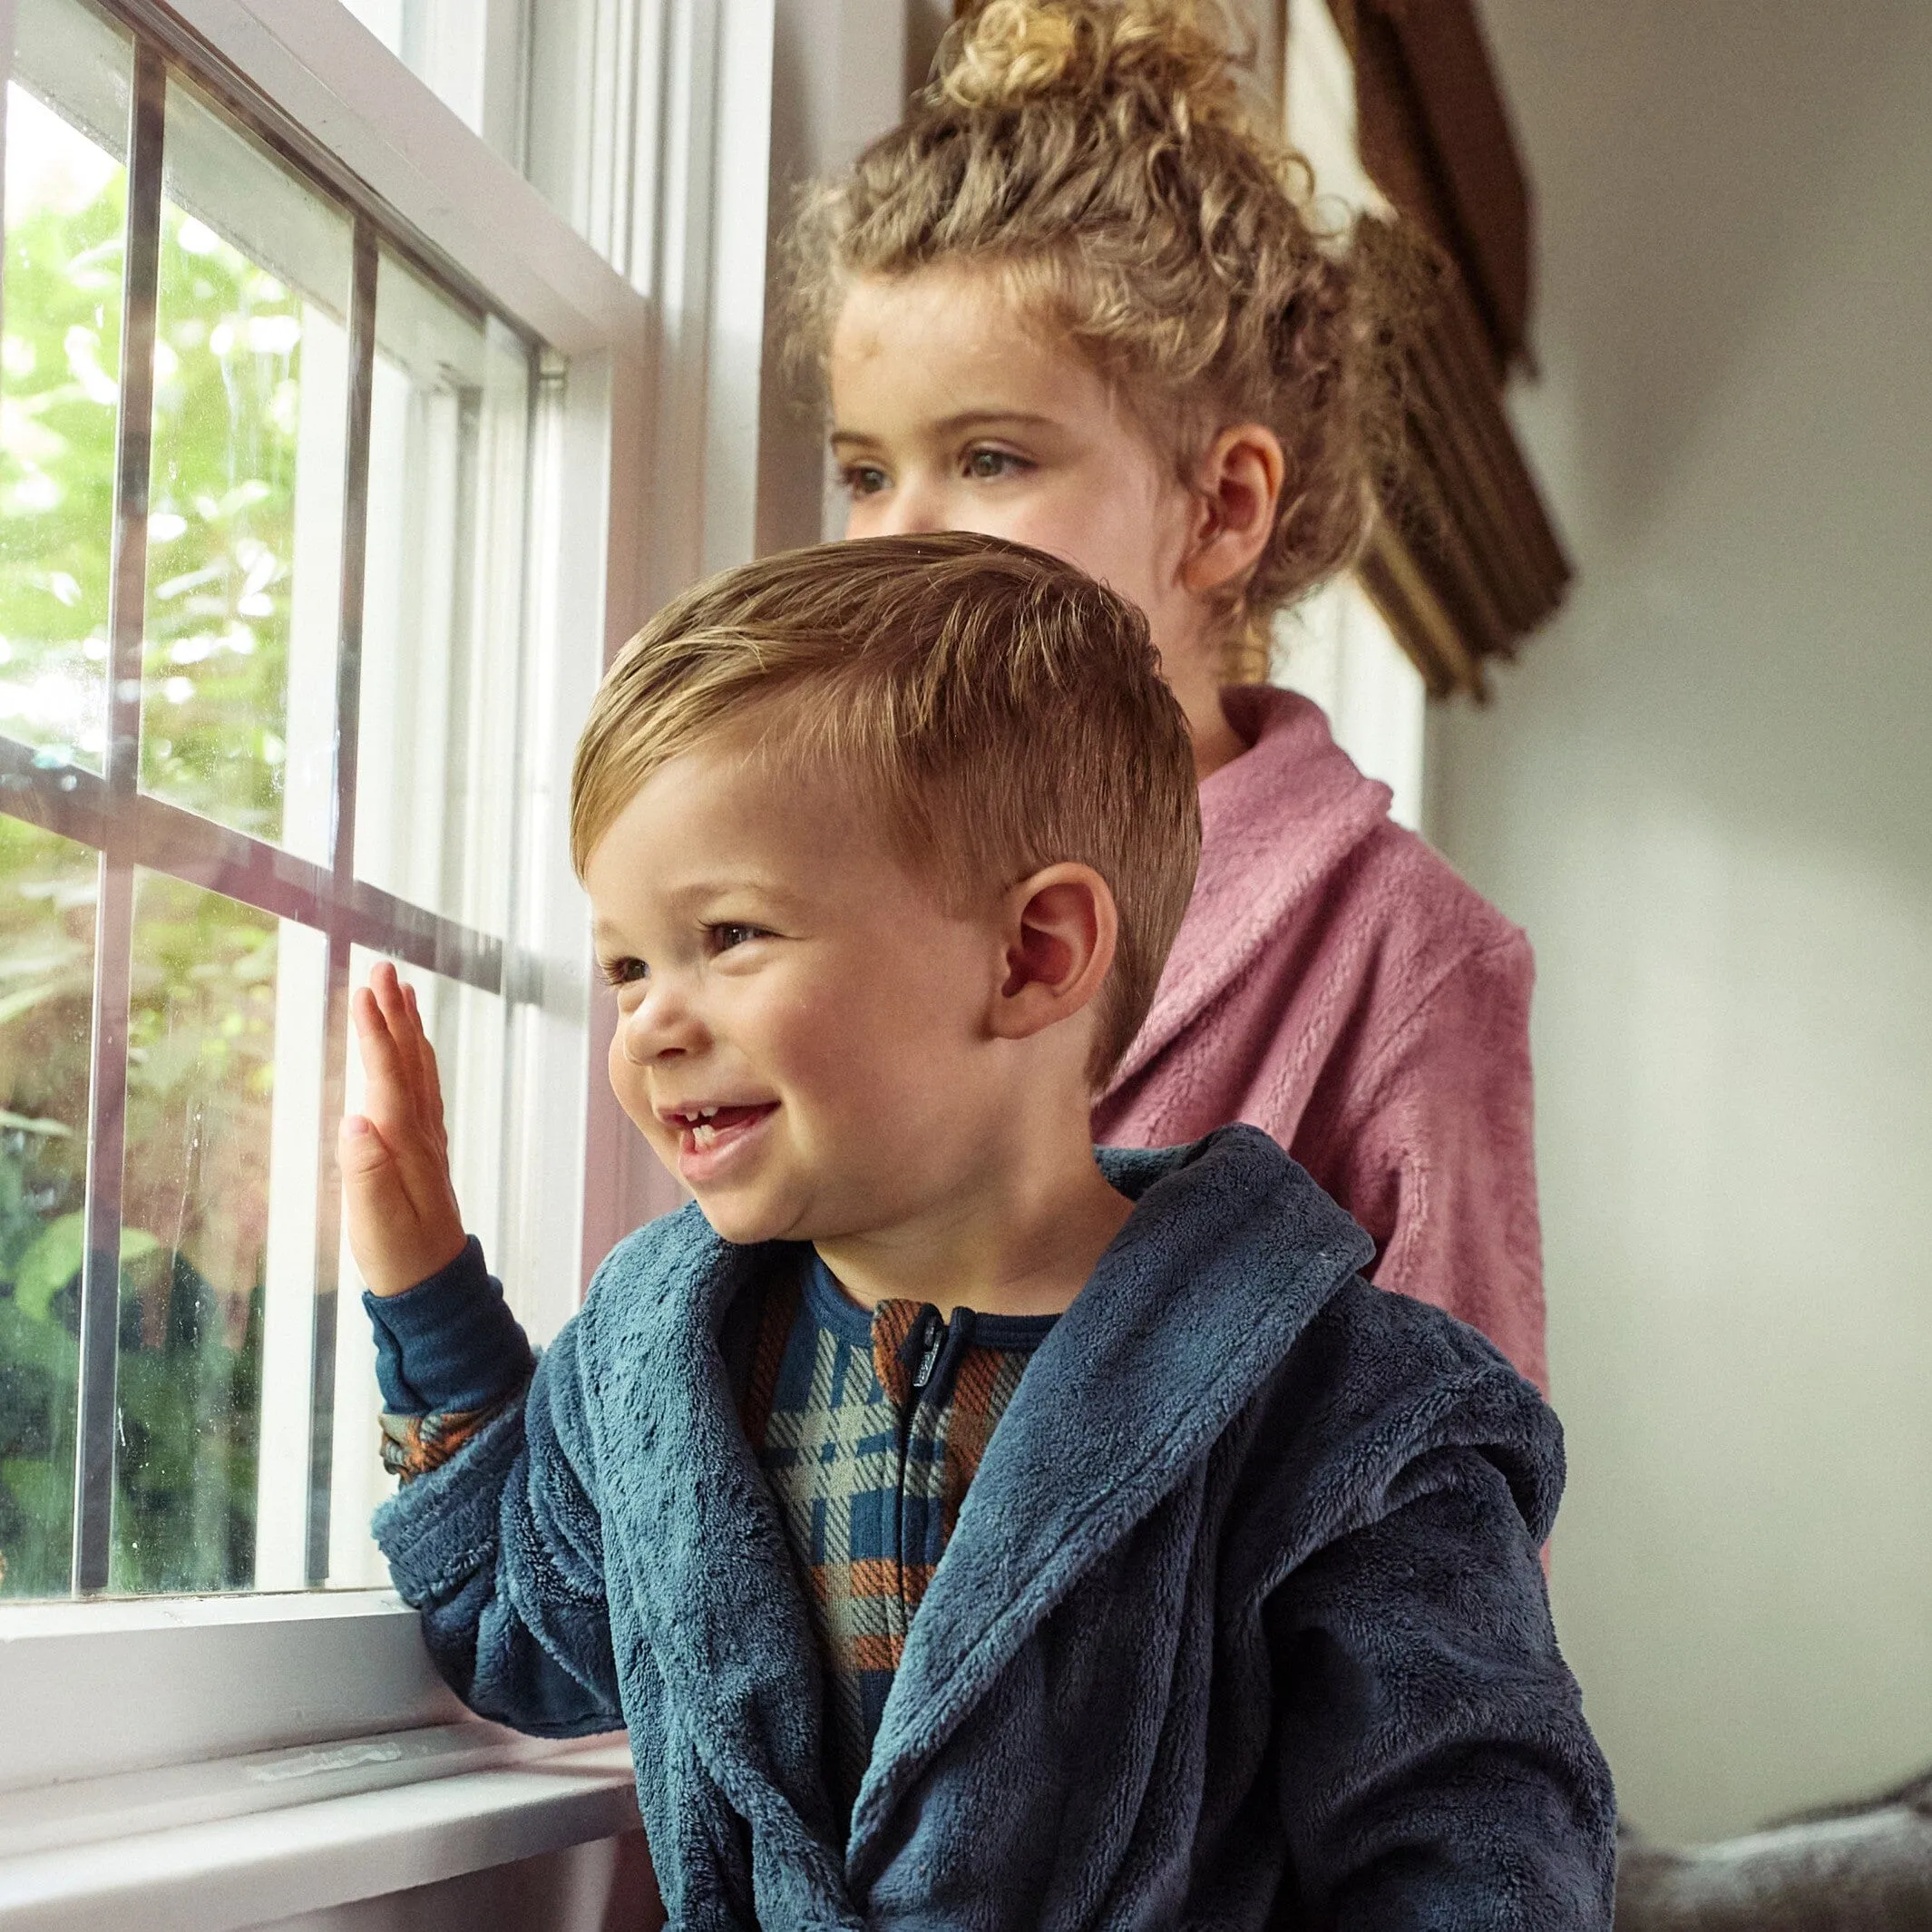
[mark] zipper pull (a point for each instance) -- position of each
(935, 1341)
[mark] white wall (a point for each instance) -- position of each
(1707, 792)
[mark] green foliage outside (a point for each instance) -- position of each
(201, 1032)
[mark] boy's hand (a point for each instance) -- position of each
(403, 1221)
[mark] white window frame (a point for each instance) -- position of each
(1336, 647)
(157, 1723)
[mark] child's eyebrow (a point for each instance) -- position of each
(966, 420)
(696, 894)
(969, 419)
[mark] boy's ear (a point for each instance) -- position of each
(1237, 490)
(1062, 928)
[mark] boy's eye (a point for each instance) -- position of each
(864, 479)
(624, 971)
(725, 937)
(984, 465)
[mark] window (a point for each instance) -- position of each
(274, 476)
(1337, 646)
(449, 394)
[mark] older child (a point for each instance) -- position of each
(1077, 300)
(970, 1531)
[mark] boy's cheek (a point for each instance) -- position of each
(632, 1091)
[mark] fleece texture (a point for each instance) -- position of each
(1242, 1624)
(1335, 984)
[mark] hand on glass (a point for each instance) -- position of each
(403, 1221)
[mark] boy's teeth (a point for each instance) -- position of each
(703, 1135)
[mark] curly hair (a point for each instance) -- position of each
(1096, 155)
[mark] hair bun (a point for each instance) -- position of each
(1173, 59)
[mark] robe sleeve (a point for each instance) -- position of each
(1435, 1767)
(1437, 1157)
(501, 1548)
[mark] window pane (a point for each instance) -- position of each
(466, 1027)
(245, 516)
(60, 374)
(49, 889)
(444, 603)
(198, 1211)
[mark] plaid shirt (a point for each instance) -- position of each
(869, 1427)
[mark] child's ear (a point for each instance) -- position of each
(1061, 928)
(1237, 490)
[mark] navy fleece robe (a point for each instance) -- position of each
(1242, 1624)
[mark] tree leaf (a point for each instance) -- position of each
(55, 1257)
(52, 1261)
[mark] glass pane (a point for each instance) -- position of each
(444, 603)
(467, 1029)
(49, 889)
(195, 1209)
(60, 374)
(245, 516)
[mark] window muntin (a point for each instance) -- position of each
(207, 1373)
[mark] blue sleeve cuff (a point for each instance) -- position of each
(449, 1344)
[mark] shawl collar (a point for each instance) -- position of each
(1176, 1330)
(705, 1556)
(1274, 822)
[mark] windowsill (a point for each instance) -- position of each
(99, 1688)
(202, 1764)
(244, 1841)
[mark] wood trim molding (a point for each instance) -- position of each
(1467, 545)
(1436, 134)
(1402, 593)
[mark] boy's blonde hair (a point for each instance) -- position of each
(999, 710)
(1096, 156)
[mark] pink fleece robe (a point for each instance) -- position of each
(1337, 985)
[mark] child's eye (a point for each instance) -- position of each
(985, 464)
(624, 971)
(727, 935)
(864, 479)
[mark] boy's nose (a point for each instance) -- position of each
(659, 1027)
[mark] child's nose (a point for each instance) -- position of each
(915, 509)
(661, 1025)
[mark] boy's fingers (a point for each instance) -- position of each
(391, 1102)
(404, 1017)
(432, 1082)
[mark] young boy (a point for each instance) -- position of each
(971, 1529)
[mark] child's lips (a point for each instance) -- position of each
(706, 1148)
